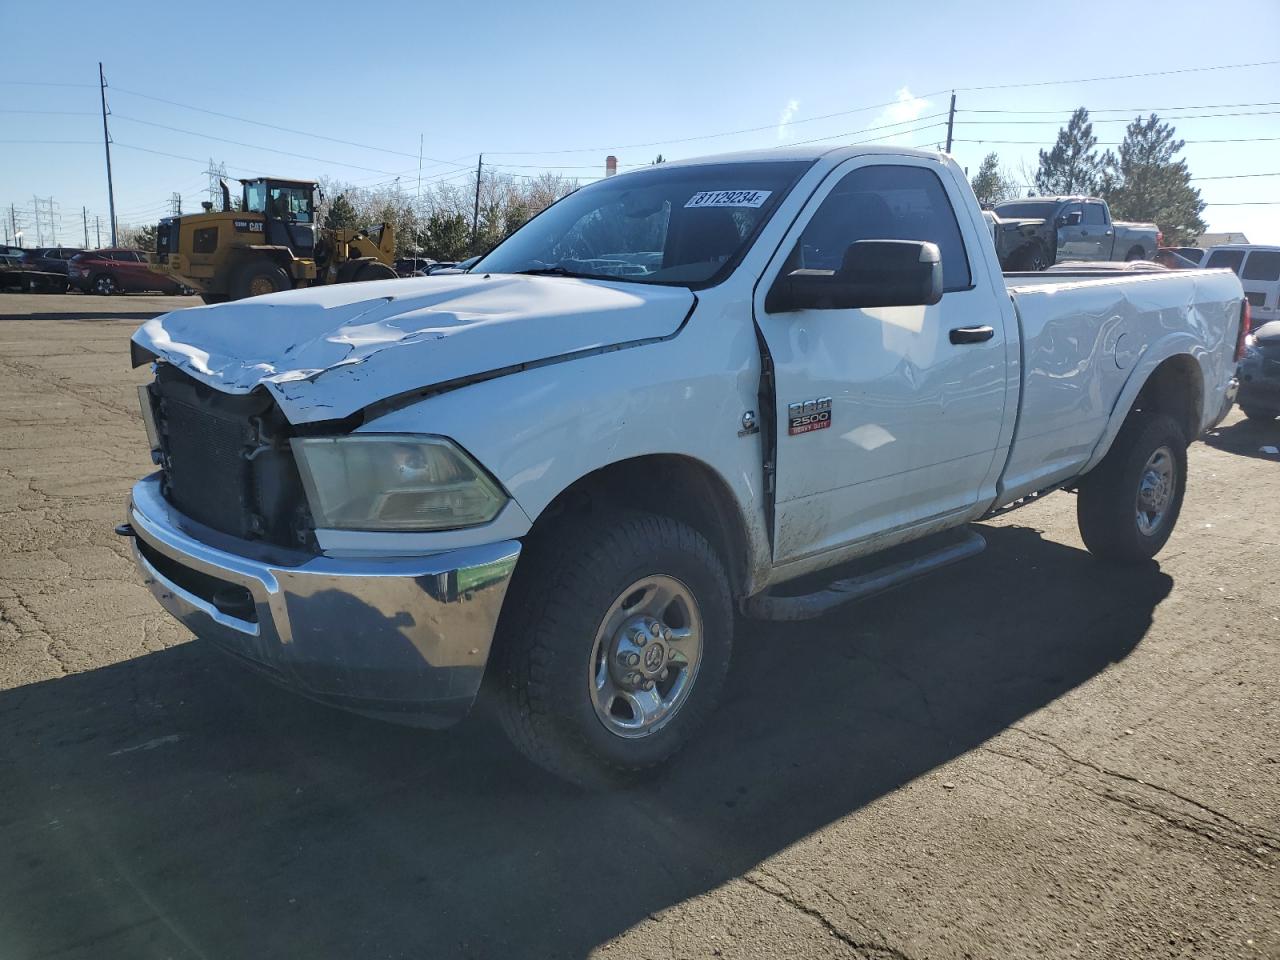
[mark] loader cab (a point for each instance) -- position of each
(288, 210)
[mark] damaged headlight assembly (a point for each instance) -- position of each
(394, 482)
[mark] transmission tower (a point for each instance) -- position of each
(217, 173)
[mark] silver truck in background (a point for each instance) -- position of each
(1037, 232)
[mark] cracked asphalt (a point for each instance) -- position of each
(1027, 755)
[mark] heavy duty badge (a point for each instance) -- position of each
(808, 416)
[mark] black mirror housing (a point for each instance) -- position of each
(875, 273)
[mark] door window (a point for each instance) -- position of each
(1262, 265)
(1094, 215)
(1225, 258)
(1067, 211)
(884, 203)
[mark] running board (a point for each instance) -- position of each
(810, 605)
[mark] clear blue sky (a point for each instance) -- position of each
(594, 78)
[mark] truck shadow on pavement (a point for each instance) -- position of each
(177, 805)
(1246, 438)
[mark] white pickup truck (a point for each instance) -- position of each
(650, 410)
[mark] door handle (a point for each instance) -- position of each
(972, 334)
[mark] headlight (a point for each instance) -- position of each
(394, 482)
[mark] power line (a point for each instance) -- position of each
(1115, 143)
(1202, 106)
(1200, 116)
(1245, 203)
(1120, 76)
(251, 146)
(273, 126)
(1237, 176)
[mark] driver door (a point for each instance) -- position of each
(915, 412)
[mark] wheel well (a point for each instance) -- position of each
(1176, 388)
(703, 501)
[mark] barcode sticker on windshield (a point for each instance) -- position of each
(729, 198)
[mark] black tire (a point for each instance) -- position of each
(548, 652)
(214, 297)
(375, 271)
(1253, 413)
(1033, 258)
(1137, 253)
(104, 285)
(347, 272)
(1108, 506)
(257, 278)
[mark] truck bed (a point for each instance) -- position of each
(1067, 324)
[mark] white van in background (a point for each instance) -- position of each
(1258, 268)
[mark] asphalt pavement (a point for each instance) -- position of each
(1026, 755)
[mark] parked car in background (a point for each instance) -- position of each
(1195, 254)
(1172, 258)
(1259, 373)
(52, 259)
(413, 266)
(119, 271)
(462, 266)
(18, 275)
(1258, 268)
(1038, 232)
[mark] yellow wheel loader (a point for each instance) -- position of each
(271, 243)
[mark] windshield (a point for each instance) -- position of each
(676, 225)
(1041, 210)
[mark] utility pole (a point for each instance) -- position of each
(417, 197)
(53, 226)
(475, 214)
(175, 204)
(951, 120)
(13, 222)
(106, 143)
(84, 215)
(35, 205)
(97, 230)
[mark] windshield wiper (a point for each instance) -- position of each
(552, 272)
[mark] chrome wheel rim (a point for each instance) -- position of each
(1155, 490)
(105, 285)
(645, 657)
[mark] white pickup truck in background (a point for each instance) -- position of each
(658, 404)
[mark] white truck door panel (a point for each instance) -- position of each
(914, 419)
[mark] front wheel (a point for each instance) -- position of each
(613, 646)
(1129, 503)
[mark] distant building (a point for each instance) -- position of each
(1206, 240)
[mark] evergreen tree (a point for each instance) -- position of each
(341, 215)
(1146, 182)
(991, 184)
(1073, 165)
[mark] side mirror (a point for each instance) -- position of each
(875, 273)
(1070, 219)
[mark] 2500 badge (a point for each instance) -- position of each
(808, 415)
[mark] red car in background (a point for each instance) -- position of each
(118, 271)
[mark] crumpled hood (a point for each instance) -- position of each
(327, 352)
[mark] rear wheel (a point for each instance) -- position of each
(1136, 253)
(614, 646)
(104, 285)
(257, 278)
(1129, 504)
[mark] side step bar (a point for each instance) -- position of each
(811, 605)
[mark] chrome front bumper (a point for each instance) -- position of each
(402, 638)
